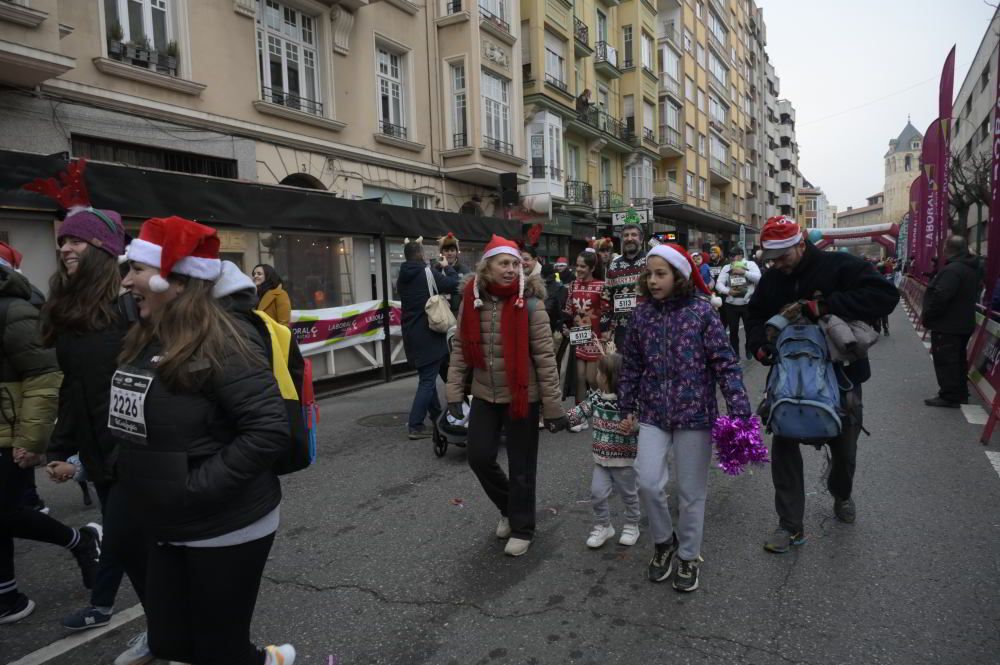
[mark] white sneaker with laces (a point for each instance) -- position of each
(517, 547)
(576, 429)
(600, 535)
(283, 655)
(503, 528)
(137, 653)
(630, 534)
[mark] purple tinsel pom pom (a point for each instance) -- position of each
(737, 443)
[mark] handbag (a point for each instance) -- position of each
(437, 307)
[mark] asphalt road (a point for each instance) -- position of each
(386, 554)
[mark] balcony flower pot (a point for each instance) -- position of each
(115, 49)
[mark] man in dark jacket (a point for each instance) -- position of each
(949, 312)
(805, 281)
(425, 349)
(620, 295)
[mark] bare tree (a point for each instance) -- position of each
(970, 187)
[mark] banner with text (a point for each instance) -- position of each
(945, 91)
(993, 230)
(319, 330)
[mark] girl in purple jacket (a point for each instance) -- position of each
(675, 351)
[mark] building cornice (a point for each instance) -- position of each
(21, 15)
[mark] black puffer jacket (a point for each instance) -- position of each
(206, 466)
(88, 361)
(950, 299)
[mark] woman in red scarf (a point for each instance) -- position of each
(504, 342)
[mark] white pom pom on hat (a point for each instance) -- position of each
(176, 245)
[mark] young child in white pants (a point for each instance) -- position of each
(614, 448)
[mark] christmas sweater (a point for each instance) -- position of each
(583, 307)
(620, 294)
(613, 445)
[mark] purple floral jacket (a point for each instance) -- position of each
(674, 353)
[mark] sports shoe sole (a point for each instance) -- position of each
(794, 542)
(688, 590)
(78, 629)
(607, 537)
(11, 618)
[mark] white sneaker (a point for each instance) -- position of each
(137, 653)
(517, 547)
(579, 428)
(283, 655)
(599, 535)
(630, 534)
(503, 528)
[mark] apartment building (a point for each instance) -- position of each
(812, 209)
(902, 167)
(972, 130)
(268, 118)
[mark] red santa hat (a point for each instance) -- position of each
(9, 256)
(779, 234)
(176, 245)
(496, 246)
(678, 257)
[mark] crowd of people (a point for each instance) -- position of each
(146, 373)
(652, 334)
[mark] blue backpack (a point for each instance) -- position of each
(803, 394)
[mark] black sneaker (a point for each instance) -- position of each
(782, 539)
(938, 401)
(686, 578)
(422, 433)
(17, 610)
(88, 617)
(88, 552)
(844, 510)
(662, 563)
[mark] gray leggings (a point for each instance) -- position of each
(606, 479)
(692, 454)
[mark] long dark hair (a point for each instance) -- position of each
(271, 279)
(593, 261)
(84, 301)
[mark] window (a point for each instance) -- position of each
(396, 197)
(689, 88)
(107, 150)
(701, 55)
(689, 184)
(699, 9)
(627, 46)
(718, 28)
(602, 26)
(605, 173)
(496, 112)
(390, 93)
(719, 150)
(701, 145)
(702, 189)
(460, 136)
(647, 52)
(555, 61)
(555, 152)
(497, 9)
(916, 144)
(288, 69)
(689, 136)
(701, 99)
(984, 80)
(672, 63)
(717, 111)
(688, 41)
(671, 116)
(640, 179)
(143, 23)
(628, 111)
(908, 163)
(718, 70)
(648, 115)
(572, 162)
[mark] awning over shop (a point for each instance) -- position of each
(699, 218)
(140, 193)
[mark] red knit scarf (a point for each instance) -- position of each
(513, 331)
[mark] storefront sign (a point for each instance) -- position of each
(319, 330)
(559, 225)
(630, 217)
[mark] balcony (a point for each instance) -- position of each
(786, 199)
(609, 200)
(389, 129)
(557, 83)
(667, 189)
(786, 131)
(597, 123)
(671, 86)
(496, 26)
(581, 38)
(719, 205)
(750, 141)
(670, 142)
(460, 140)
(138, 55)
(579, 194)
(719, 86)
(722, 8)
(497, 145)
(606, 60)
(719, 171)
(785, 154)
(721, 129)
(668, 31)
(721, 49)
(786, 177)
(770, 184)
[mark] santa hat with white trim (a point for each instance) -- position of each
(176, 245)
(678, 257)
(779, 235)
(496, 246)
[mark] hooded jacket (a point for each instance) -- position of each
(620, 281)
(423, 346)
(490, 384)
(950, 299)
(29, 373)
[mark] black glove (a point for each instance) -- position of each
(455, 410)
(557, 424)
(767, 354)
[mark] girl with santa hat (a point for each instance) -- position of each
(676, 350)
(201, 423)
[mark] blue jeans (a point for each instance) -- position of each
(426, 398)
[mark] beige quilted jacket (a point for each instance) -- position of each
(490, 384)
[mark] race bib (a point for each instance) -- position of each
(580, 335)
(127, 415)
(625, 303)
(737, 280)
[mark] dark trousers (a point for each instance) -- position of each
(18, 521)
(514, 497)
(950, 365)
(620, 331)
(426, 400)
(200, 601)
(123, 549)
(735, 314)
(786, 469)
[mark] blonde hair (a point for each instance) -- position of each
(610, 365)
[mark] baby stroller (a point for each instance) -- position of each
(447, 430)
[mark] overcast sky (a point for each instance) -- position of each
(854, 69)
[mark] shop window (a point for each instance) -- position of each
(317, 270)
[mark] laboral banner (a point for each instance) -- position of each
(984, 364)
(318, 330)
(993, 235)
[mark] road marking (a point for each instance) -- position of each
(67, 644)
(975, 414)
(994, 458)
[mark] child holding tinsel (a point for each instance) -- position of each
(613, 449)
(675, 351)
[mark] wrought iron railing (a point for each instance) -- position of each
(487, 15)
(292, 101)
(389, 129)
(605, 52)
(555, 173)
(670, 137)
(580, 193)
(556, 82)
(607, 199)
(538, 171)
(581, 32)
(648, 135)
(454, 6)
(460, 140)
(605, 122)
(670, 84)
(491, 143)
